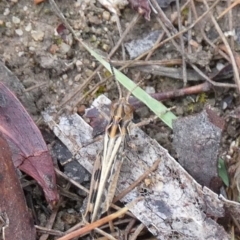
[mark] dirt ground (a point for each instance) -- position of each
(50, 65)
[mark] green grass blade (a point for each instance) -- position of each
(222, 172)
(157, 107)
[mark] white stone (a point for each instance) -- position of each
(16, 20)
(37, 35)
(28, 28)
(6, 11)
(19, 32)
(150, 90)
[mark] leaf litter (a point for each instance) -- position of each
(64, 79)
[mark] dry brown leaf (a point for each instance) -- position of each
(15, 220)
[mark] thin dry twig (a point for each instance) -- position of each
(51, 221)
(151, 51)
(117, 222)
(35, 86)
(164, 62)
(184, 66)
(138, 231)
(71, 180)
(235, 69)
(203, 87)
(129, 27)
(129, 227)
(120, 34)
(134, 184)
(230, 24)
(87, 81)
(190, 31)
(178, 48)
(106, 235)
(98, 223)
(205, 36)
(235, 3)
(49, 231)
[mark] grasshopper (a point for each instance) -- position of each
(108, 162)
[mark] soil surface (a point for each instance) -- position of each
(50, 65)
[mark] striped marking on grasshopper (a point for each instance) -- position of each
(108, 162)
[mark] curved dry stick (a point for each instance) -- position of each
(235, 68)
(100, 222)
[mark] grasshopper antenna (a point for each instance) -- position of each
(113, 73)
(137, 85)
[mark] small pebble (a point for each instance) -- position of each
(224, 105)
(81, 109)
(19, 32)
(20, 54)
(150, 90)
(64, 76)
(93, 64)
(105, 47)
(70, 82)
(106, 15)
(64, 48)
(93, 38)
(6, 11)
(77, 77)
(28, 28)
(113, 19)
(16, 20)
(1, 22)
(88, 72)
(8, 24)
(79, 65)
(94, 20)
(25, 8)
(37, 35)
(77, 4)
(31, 49)
(219, 66)
(53, 49)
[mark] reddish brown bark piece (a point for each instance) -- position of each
(29, 151)
(15, 220)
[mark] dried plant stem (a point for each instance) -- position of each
(184, 66)
(90, 227)
(120, 34)
(230, 22)
(179, 49)
(106, 235)
(164, 62)
(150, 52)
(50, 222)
(78, 89)
(49, 231)
(71, 180)
(204, 35)
(129, 227)
(137, 232)
(235, 69)
(134, 184)
(228, 9)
